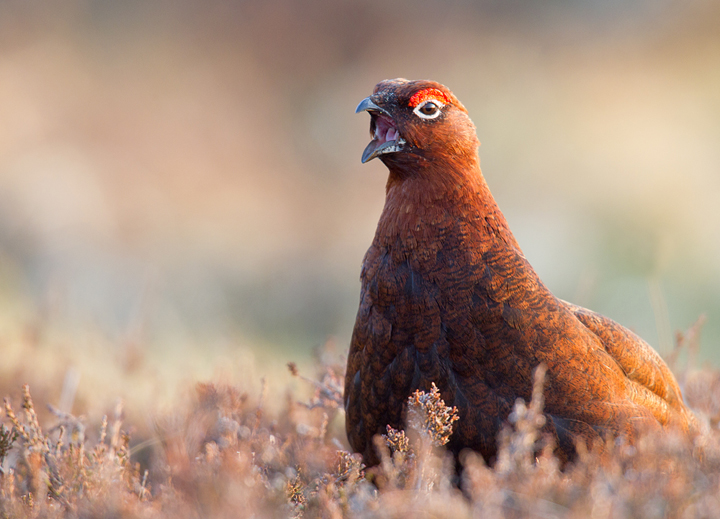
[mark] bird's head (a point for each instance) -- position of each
(413, 122)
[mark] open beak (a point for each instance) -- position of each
(384, 133)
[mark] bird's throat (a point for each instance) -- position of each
(427, 208)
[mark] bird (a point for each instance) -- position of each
(448, 298)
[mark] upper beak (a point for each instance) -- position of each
(367, 105)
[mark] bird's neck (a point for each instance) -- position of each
(437, 194)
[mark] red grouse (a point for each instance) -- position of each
(448, 297)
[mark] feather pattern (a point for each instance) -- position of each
(448, 297)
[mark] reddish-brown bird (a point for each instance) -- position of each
(448, 297)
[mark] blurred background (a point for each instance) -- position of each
(181, 194)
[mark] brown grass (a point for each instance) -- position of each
(223, 453)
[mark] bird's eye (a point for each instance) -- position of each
(429, 109)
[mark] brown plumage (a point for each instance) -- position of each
(448, 297)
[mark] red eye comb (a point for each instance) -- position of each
(428, 93)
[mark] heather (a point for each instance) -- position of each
(221, 452)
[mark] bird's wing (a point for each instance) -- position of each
(641, 364)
